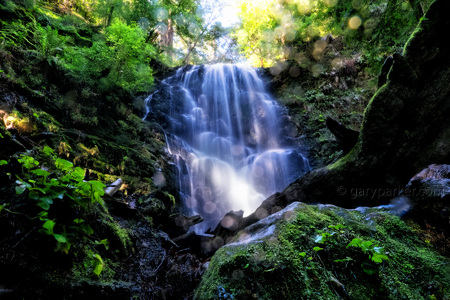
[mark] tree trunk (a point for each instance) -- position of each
(110, 15)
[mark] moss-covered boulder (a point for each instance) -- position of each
(326, 252)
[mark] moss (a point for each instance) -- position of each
(117, 234)
(287, 265)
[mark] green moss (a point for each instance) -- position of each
(288, 266)
(116, 234)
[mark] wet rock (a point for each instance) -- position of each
(429, 194)
(183, 224)
(200, 245)
(229, 223)
(433, 172)
(265, 227)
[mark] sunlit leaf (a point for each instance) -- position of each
(48, 151)
(48, 225)
(40, 172)
(98, 264)
(63, 165)
(78, 174)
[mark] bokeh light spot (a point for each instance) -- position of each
(317, 69)
(261, 213)
(294, 71)
(354, 22)
(331, 3)
(304, 6)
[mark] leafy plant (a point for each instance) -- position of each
(376, 254)
(64, 182)
(98, 264)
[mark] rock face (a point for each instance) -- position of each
(405, 126)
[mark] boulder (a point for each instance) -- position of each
(326, 252)
(429, 194)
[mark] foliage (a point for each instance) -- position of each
(59, 182)
(124, 56)
(277, 30)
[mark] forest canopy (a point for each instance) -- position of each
(277, 30)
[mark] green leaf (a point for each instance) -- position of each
(104, 242)
(22, 186)
(98, 264)
(28, 162)
(320, 239)
(48, 151)
(317, 249)
(78, 174)
(354, 243)
(344, 259)
(3, 162)
(63, 165)
(337, 227)
(48, 226)
(78, 221)
(40, 172)
(20, 189)
(86, 228)
(60, 238)
(378, 258)
(45, 202)
(366, 246)
(302, 254)
(43, 215)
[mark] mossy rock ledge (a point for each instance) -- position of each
(326, 252)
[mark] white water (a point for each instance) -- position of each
(225, 139)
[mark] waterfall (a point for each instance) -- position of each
(223, 132)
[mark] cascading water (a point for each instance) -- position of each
(224, 134)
